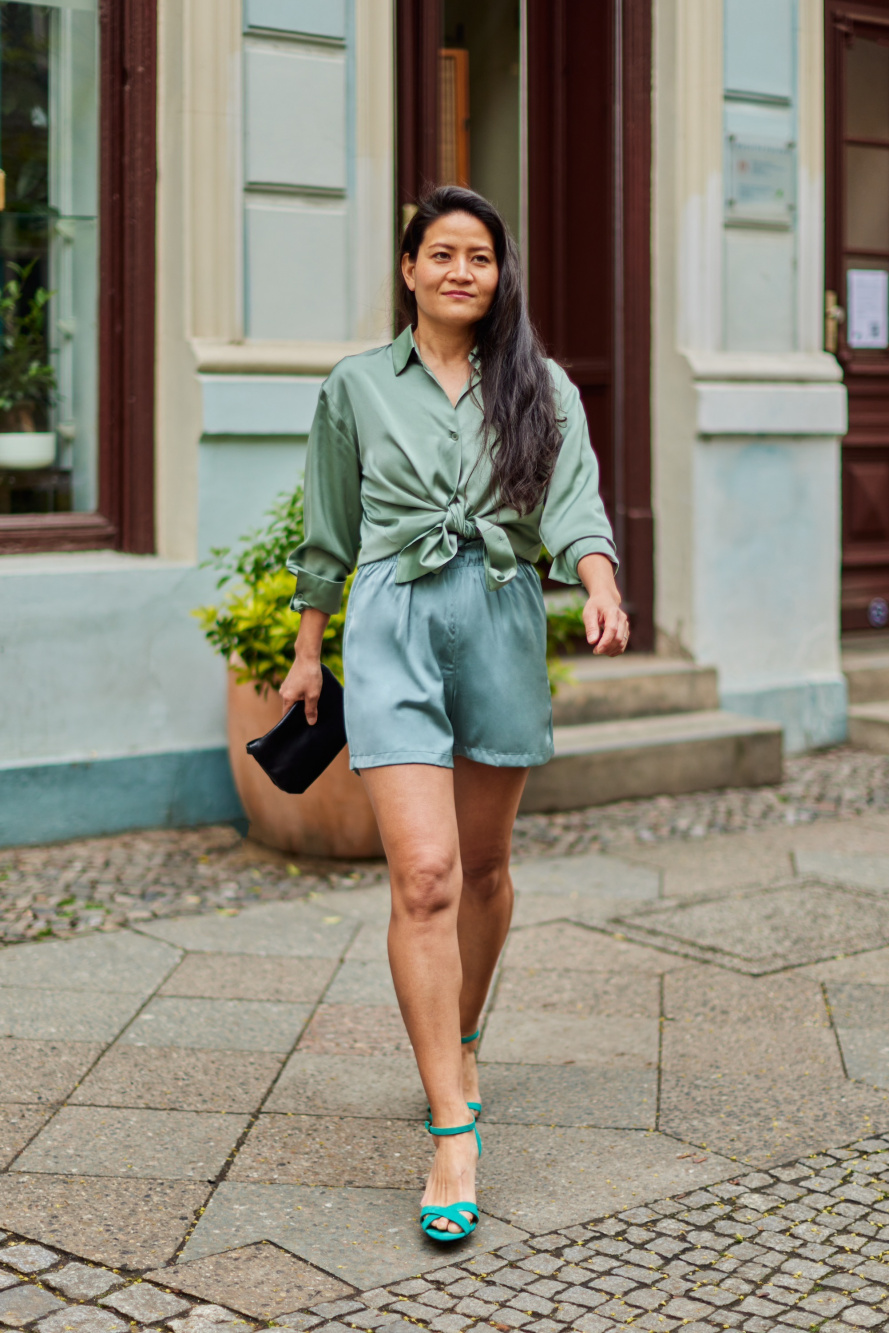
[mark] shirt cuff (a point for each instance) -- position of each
(315, 593)
(564, 566)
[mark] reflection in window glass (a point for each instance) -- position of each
(48, 235)
(867, 199)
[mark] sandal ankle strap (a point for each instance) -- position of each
(464, 1041)
(457, 1129)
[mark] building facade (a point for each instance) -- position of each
(212, 190)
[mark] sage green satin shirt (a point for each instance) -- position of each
(393, 468)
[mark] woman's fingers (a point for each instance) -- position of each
(609, 632)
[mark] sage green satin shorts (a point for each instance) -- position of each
(441, 666)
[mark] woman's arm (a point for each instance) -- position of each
(304, 677)
(606, 624)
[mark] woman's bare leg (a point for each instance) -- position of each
(486, 800)
(415, 809)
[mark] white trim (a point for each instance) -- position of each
(803, 410)
(800, 367)
(274, 358)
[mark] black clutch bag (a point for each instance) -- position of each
(294, 753)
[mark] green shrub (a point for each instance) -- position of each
(254, 628)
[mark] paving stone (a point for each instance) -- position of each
(121, 962)
(765, 930)
(334, 1151)
(581, 949)
(18, 1125)
(274, 930)
(174, 1079)
(28, 1258)
(539, 1038)
(82, 1282)
(366, 1237)
(82, 1319)
(24, 1303)
(43, 1071)
(230, 977)
(61, 1015)
(362, 983)
(7, 1279)
(569, 1095)
(354, 1029)
(863, 872)
(210, 1319)
(260, 1280)
(218, 1025)
(145, 1303)
(349, 1085)
(162, 1145)
(134, 1224)
(584, 994)
(301, 1322)
(596, 875)
(538, 1179)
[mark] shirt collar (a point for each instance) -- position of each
(404, 347)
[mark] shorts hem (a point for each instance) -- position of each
(497, 759)
(435, 758)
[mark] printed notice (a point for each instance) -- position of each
(868, 307)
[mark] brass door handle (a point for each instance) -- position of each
(834, 315)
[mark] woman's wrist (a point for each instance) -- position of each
(310, 639)
(596, 573)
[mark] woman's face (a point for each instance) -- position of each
(454, 276)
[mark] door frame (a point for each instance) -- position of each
(418, 28)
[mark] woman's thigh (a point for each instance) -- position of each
(486, 800)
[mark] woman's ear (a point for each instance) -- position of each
(407, 271)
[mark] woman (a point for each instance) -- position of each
(440, 463)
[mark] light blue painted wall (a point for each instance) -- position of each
(760, 79)
(760, 55)
(766, 580)
(238, 484)
(251, 405)
(299, 171)
(295, 116)
(321, 18)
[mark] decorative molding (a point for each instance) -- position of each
(275, 358)
(799, 367)
(768, 410)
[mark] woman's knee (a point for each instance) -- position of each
(425, 885)
(486, 876)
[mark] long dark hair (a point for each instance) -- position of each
(521, 422)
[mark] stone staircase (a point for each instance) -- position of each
(866, 668)
(647, 726)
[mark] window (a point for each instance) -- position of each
(77, 109)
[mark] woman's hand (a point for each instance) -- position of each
(607, 626)
(304, 678)
(304, 682)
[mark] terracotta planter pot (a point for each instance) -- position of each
(333, 818)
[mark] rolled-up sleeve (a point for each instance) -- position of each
(332, 511)
(574, 522)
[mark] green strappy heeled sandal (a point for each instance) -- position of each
(451, 1212)
(464, 1041)
(473, 1106)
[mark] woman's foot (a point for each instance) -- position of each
(470, 1073)
(452, 1178)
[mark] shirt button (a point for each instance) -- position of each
(453, 435)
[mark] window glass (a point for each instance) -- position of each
(867, 89)
(867, 199)
(48, 246)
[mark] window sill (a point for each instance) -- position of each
(274, 358)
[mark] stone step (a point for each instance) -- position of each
(867, 673)
(604, 689)
(600, 762)
(869, 726)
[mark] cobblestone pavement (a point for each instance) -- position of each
(801, 1246)
(214, 1119)
(76, 887)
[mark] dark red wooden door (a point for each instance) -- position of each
(857, 270)
(589, 164)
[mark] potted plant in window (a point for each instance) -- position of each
(27, 380)
(254, 629)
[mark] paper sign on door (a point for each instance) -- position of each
(868, 302)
